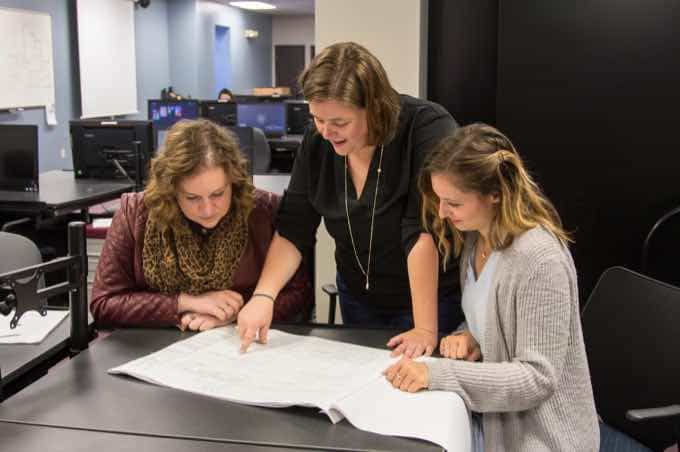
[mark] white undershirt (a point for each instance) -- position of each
(476, 296)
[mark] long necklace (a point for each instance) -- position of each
(366, 271)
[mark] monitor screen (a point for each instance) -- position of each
(106, 149)
(164, 113)
(19, 157)
(269, 117)
(223, 113)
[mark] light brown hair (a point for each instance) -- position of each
(189, 147)
(347, 72)
(479, 158)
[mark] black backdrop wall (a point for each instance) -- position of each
(462, 56)
(589, 92)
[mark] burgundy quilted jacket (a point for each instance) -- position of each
(121, 296)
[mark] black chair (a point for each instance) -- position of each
(332, 293)
(309, 263)
(262, 153)
(630, 327)
(661, 248)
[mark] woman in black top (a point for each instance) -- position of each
(358, 170)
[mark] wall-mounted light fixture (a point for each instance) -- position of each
(249, 33)
(256, 6)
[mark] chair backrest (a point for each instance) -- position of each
(17, 252)
(262, 155)
(661, 249)
(630, 327)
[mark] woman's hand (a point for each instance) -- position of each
(254, 321)
(201, 322)
(413, 343)
(408, 375)
(221, 304)
(460, 346)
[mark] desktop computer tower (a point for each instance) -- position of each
(297, 117)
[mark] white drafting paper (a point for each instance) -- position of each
(343, 380)
(32, 328)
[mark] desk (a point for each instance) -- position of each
(60, 193)
(22, 364)
(82, 395)
(31, 438)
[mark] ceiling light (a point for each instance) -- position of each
(253, 5)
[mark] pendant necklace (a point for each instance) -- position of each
(366, 271)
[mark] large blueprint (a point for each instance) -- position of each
(343, 380)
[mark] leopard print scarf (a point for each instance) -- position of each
(180, 260)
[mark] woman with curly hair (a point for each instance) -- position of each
(188, 250)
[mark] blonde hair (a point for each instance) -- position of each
(190, 147)
(481, 159)
(347, 72)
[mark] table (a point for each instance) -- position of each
(81, 395)
(60, 193)
(22, 364)
(31, 438)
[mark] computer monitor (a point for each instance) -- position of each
(223, 113)
(297, 117)
(19, 157)
(246, 141)
(269, 117)
(164, 113)
(106, 149)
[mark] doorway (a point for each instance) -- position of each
(222, 57)
(289, 62)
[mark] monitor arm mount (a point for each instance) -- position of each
(20, 293)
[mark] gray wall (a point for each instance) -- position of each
(252, 58)
(52, 139)
(182, 45)
(152, 55)
(174, 46)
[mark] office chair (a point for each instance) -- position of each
(22, 252)
(18, 252)
(332, 293)
(262, 153)
(660, 249)
(630, 327)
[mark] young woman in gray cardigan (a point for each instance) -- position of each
(519, 359)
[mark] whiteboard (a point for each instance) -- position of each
(106, 51)
(26, 66)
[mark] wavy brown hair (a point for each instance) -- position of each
(189, 147)
(346, 72)
(480, 159)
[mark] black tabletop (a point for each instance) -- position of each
(18, 359)
(32, 438)
(60, 191)
(82, 395)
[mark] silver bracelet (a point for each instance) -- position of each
(260, 294)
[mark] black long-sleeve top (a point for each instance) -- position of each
(317, 190)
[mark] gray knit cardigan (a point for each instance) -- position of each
(533, 385)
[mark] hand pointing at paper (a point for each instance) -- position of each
(254, 321)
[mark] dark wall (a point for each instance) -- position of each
(589, 92)
(462, 52)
